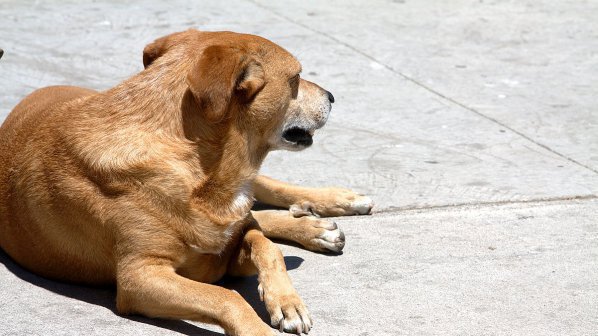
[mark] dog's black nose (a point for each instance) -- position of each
(330, 96)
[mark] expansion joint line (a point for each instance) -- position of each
(487, 204)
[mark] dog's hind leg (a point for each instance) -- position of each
(303, 201)
(313, 233)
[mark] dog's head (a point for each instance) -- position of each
(250, 81)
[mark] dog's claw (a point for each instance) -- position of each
(260, 290)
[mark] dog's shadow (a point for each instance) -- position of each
(105, 296)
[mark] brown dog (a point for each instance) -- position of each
(149, 185)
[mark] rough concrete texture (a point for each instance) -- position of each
(481, 115)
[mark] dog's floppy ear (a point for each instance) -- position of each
(154, 50)
(159, 47)
(223, 74)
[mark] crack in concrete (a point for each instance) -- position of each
(427, 88)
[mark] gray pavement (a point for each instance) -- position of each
(473, 125)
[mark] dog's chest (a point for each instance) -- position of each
(218, 224)
(243, 199)
(217, 236)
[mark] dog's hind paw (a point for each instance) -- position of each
(322, 235)
(330, 202)
(333, 240)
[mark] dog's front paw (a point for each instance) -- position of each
(332, 202)
(287, 311)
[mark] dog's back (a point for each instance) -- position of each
(36, 105)
(26, 139)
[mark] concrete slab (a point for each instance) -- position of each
(523, 269)
(438, 104)
(528, 65)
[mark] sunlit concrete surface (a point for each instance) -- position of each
(472, 124)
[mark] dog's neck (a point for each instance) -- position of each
(158, 101)
(230, 162)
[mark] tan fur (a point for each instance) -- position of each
(144, 185)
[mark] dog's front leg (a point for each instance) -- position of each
(150, 286)
(258, 254)
(303, 201)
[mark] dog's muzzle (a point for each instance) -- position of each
(308, 113)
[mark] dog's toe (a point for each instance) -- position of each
(296, 320)
(288, 313)
(331, 240)
(362, 205)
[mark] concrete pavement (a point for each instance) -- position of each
(473, 124)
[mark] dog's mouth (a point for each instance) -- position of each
(299, 137)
